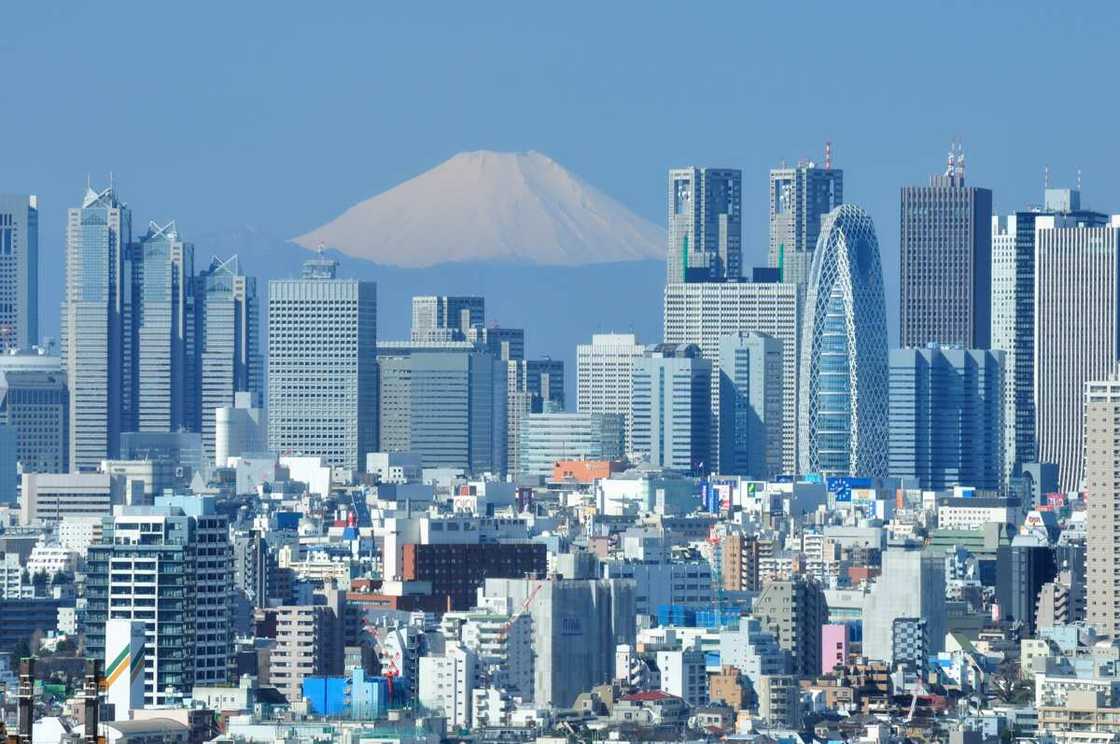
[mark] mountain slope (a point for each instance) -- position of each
(489, 206)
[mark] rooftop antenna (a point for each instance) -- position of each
(960, 161)
(1079, 179)
(828, 155)
(89, 185)
(951, 165)
(320, 247)
(110, 180)
(1046, 176)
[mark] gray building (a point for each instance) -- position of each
(93, 340)
(35, 404)
(227, 341)
(19, 271)
(670, 409)
(322, 366)
(576, 626)
(161, 266)
(703, 313)
(924, 577)
(946, 417)
(705, 225)
(445, 318)
(1102, 482)
(946, 262)
(794, 610)
(449, 409)
(750, 405)
(799, 198)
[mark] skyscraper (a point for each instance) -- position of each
(800, 197)
(547, 438)
(19, 271)
(670, 409)
(703, 313)
(750, 403)
(445, 318)
(705, 225)
(946, 262)
(227, 339)
(448, 409)
(946, 413)
(1102, 498)
(843, 385)
(97, 237)
(604, 370)
(1077, 321)
(1013, 307)
(322, 373)
(161, 267)
(35, 403)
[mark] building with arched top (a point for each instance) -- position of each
(842, 426)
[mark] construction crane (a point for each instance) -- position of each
(504, 630)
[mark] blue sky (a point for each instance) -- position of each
(280, 115)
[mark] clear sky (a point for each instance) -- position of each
(280, 115)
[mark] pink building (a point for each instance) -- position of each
(834, 646)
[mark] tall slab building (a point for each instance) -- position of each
(703, 313)
(800, 197)
(93, 325)
(1076, 331)
(1102, 486)
(227, 338)
(946, 262)
(705, 225)
(161, 266)
(1013, 307)
(19, 271)
(604, 375)
(322, 366)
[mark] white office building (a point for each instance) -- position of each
(322, 366)
(1077, 324)
(604, 370)
(703, 313)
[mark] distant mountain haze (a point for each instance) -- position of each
(491, 206)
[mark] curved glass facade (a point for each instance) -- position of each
(843, 376)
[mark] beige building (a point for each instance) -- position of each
(1102, 488)
(308, 643)
(779, 700)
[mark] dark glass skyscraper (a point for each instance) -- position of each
(946, 262)
(705, 225)
(800, 197)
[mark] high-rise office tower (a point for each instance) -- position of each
(705, 225)
(1077, 321)
(704, 313)
(19, 271)
(227, 324)
(1102, 491)
(604, 370)
(799, 198)
(504, 343)
(322, 365)
(172, 570)
(946, 262)
(36, 403)
(445, 318)
(946, 414)
(843, 384)
(670, 409)
(161, 267)
(750, 403)
(97, 237)
(1013, 270)
(448, 409)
